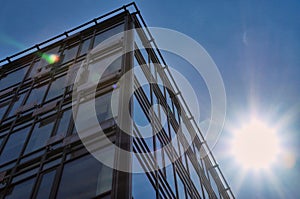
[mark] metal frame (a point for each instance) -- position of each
(206, 168)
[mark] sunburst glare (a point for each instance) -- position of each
(255, 145)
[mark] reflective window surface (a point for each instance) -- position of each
(194, 176)
(37, 95)
(103, 110)
(141, 186)
(14, 145)
(63, 123)
(44, 189)
(22, 190)
(107, 34)
(40, 134)
(57, 88)
(16, 104)
(3, 109)
(41, 107)
(13, 78)
(85, 47)
(91, 179)
(70, 53)
(181, 190)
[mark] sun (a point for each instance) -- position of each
(255, 145)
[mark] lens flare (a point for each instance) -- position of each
(50, 58)
(255, 145)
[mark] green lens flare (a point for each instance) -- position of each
(10, 41)
(51, 58)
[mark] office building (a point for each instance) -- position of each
(41, 153)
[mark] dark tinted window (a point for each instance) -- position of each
(107, 34)
(40, 134)
(14, 145)
(44, 189)
(13, 78)
(57, 88)
(91, 179)
(22, 190)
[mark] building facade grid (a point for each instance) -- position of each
(39, 147)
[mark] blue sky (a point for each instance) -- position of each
(255, 45)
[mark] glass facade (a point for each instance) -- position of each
(41, 154)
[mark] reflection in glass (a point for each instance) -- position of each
(141, 185)
(181, 190)
(107, 34)
(194, 176)
(57, 88)
(3, 109)
(36, 95)
(143, 124)
(22, 190)
(14, 145)
(13, 78)
(85, 47)
(16, 104)
(34, 68)
(113, 67)
(169, 173)
(103, 67)
(1, 140)
(102, 107)
(40, 134)
(44, 189)
(91, 179)
(70, 53)
(64, 122)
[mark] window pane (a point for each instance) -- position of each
(91, 179)
(70, 53)
(141, 185)
(113, 67)
(13, 78)
(169, 173)
(103, 106)
(85, 47)
(64, 122)
(105, 66)
(181, 190)
(16, 104)
(37, 95)
(14, 145)
(143, 124)
(3, 110)
(194, 176)
(57, 88)
(107, 34)
(169, 101)
(103, 111)
(34, 68)
(22, 190)
(41, 133)
(159, 153)
(44, 189)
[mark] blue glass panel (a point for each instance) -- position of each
(22, 190)
(40, 135)
(14, 145)
(44, 189)
(57, 88)
(91, 179)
